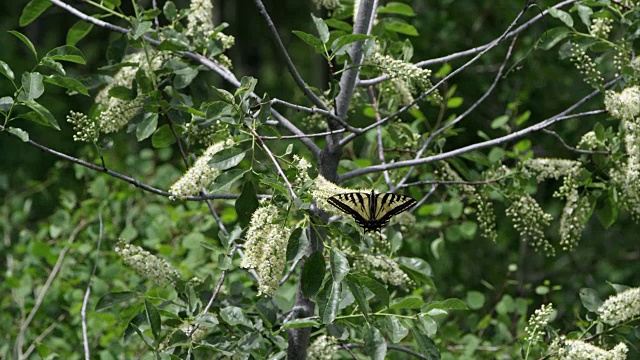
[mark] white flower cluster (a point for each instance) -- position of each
(116, 113)
(600, 27)
(574, 217)
(322, 348)
(589, 141)
(199, 20)
(266, 248)
(205, 135)
(302, 166)
(586, 66)
(621, 307)
(384, 269)
(86, 128)
(148, 265)
(562, 349)
(545, 168)
(415, 78)
(537, 324)
(325, 189)
(530, 221)
(624, 105)
(200, 175)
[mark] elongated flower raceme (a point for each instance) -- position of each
(200, 175)
(621, 307)
(562, 349)
(148, 265)
(266, 248)
(537, 323)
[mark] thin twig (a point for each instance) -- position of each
(424, 198)
(452, 182)
(465, 113)
(392, 347)
(313, 110)
(85, 301)
(274, 161)
(574, 149)
(403, 109)
(303, 136)
(465, 149)
(374, 103)
(43, 335)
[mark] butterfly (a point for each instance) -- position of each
(371, 211)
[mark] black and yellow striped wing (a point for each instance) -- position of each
(372, 211)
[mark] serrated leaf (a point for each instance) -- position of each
(590, 299)
(32, 86)
(312, 274)
(25, 40)
(44, 116)
(67, 53)
(331, 306)
(67, 83)
(5, 70)
(114, 298)
(562, 16)
(147, 126)
(339, 265)
(163, 137)
(246, 204)
(227, 158)
(408, 302)
(310, 39)
(374, 344)
(33, 9)
(322, 28)
(21, 134)
(375, 287)
(396, 8)
(297, 244)
(78, 31)
(359, 295)
(153, 318)
(227, 179)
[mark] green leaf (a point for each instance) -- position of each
(25, 40)
(227, 158)
(153, 318)
(400, 27)
(6, 70)
(396, 8)
(224, 182)
(394, 329)
(590, 299)
(347, 39)
(340, 25)
(78, 31)
(331, 307)
(163, 137)
(562, 16)
(552, 37)
(21, 134)
(53, 65)
(297, 244)
(312, 274)
(417, 269)
(67, 53)
(6, 102)
(31, 12)
(429, 324)
(374, 344)
(139, 28)
(408, 302)
(67, 83)
(427, 347)
(234, 315)
(311, 40)
(584, 12)
(446, 305)
(339, 265)
(246, 204)
(475, 300)
(114, 298)
(169, 10)
(32, 86)
(43, 115)
(454, 102)
(499, 122)
(300, 323)
(607, 212)
(147, 126)
(322, 28)
(359, 295)
(375, 287)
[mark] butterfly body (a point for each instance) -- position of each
(371, 211)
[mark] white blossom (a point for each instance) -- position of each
(200, 175)
(621, 307)
(146, 264)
